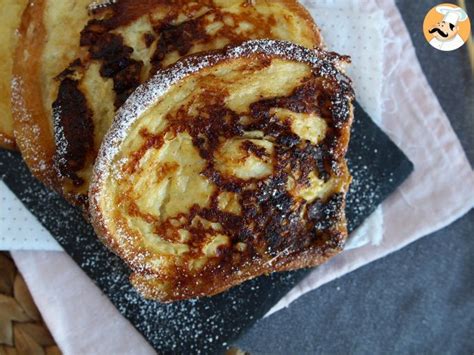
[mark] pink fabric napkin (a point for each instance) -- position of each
(83, 320)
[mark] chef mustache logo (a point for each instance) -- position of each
(447, 27)
(441, 33)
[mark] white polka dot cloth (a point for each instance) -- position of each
(360, 35)
(19, 229)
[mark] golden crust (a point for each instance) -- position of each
(60, 120)
(10, 18)
(34, 68)
(169, 198)
(32, 131)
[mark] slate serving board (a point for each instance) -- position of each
(207, 325)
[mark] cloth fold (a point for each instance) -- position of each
(82, 320)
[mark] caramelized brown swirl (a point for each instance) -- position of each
(74, 130)
(241, 175)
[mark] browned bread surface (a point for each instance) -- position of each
(90, 59)
(48, 36)
(10, 16)
(227, 166)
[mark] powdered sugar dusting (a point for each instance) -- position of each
(18, 105)
(59, 137)
(36, 163)
(98, 5)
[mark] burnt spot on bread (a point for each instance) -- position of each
(279, 216)
(180, 38)
(325, 214)
(92, 33)
(126, 81)
(213, 121)
(74, 130)
(115, 57)
(254, 149)
(148, 39)
(123, 12)
(110, 48)
(71, 71)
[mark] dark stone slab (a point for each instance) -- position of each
(205, 325)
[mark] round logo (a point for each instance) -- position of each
(447, 27)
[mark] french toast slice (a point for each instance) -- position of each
(85, 74)
(10, 17)
(48, 39)
(227, 166)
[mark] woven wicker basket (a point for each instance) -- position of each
(22, 331)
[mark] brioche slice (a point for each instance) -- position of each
(48, 40)
(10, 16)
(66, 102)
(227, 166)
